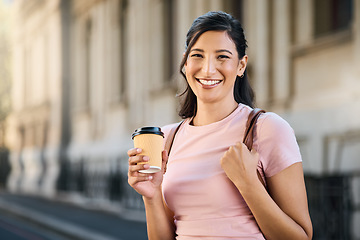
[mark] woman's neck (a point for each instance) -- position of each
(213, 112)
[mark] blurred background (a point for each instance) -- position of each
(78, 76)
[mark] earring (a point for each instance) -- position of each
(242, 76)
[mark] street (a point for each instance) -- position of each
(13, 228)
(35, 218)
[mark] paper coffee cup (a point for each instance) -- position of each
(151, 141)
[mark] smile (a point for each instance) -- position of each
(209, 82)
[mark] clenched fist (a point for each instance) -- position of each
(240, 165)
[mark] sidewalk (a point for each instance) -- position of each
(74, 221)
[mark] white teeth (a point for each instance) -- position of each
(209, 83)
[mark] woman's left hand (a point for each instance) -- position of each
(240, 165)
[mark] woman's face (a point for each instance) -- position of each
(212, 67)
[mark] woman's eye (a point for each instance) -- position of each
(196, 55)
(223, 57)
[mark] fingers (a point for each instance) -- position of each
(242, 147)
(136, 168)
(239, 150)
(134, 151)
(233, 150)
(136, 163)
(138, 159)
(135, 160)
(140, 177)
(134, 176)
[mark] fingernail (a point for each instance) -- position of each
(150, 177)
(146, 158)
(138, 150)
(146, 165)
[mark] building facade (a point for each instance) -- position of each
(87, 73)
(5, 86)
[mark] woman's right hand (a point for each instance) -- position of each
(145, 184)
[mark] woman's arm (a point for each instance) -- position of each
(159, 219)
(160, 223)
(284, 214)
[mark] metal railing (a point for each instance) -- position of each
(4, 166)
(101, 183)
(331, 205)
(331, 198)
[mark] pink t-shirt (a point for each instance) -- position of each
(206, 204)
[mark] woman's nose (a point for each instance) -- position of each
(209, 66)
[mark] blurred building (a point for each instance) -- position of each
(5, 85)
(86, 73)
(5, 71)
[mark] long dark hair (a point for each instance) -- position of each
(216, 21)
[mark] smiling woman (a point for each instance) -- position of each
(211, 189)
(212, 68)
(232, 36)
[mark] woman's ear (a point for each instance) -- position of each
(242, 65)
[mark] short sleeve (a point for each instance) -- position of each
(167, 129)
(276, 144)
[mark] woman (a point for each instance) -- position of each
(211, 189)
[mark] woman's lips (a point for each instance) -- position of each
(208, 82)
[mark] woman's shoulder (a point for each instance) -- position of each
(267, 120)
(167, 128)
(273, 123)
(276, 143)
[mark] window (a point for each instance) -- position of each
(331, 16)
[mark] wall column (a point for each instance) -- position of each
(303, 25)
(280, 59)
(257, 33)
(137, 65)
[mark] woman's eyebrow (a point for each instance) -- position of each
(224, 50)
(217, 51)
(197, 49)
